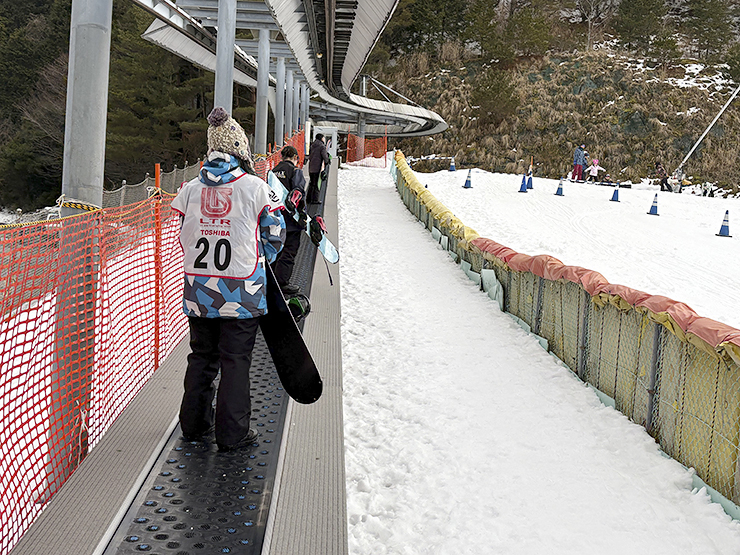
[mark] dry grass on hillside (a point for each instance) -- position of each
(628, 117)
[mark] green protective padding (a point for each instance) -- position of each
(603, 397)
(492, 286)
(468, 269)
(444, 241)
(522, 323)
(454, 256)
(437, 234)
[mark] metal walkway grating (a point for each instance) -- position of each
(202, 501)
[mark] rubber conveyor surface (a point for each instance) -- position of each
(198, 500)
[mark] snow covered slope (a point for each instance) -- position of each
(463, 436)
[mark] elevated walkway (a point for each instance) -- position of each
(143, 490)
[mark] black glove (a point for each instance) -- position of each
(318, 228)
(302, 219)
(294, 200)
(325, 175)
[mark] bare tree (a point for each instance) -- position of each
(595, 13)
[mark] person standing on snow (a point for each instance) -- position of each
(293, 180)
(229, 229)
(318, 158)
(663, 176)
(593, 170)
(579, 160)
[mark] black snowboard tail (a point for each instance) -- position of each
(293, 361)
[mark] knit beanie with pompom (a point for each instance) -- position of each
(226, 135)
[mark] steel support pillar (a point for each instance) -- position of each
(304, 103)
(224, 88)
(83, 165)
(280, 102)
(289, 126)
(87, 102)
(263, 83)
(296, 105)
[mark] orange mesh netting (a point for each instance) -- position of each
(266, 164)
(91, 305)
(367, 152)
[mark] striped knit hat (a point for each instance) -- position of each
(226, 135)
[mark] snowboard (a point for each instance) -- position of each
(312, 229)
(293, 361)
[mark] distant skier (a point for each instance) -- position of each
(593, 171)
(579, 160)
(663, 176)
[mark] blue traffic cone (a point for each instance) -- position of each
(452, 164)
(724, 231)
(654, 207)
(523, 188)
(467, 181)
(529, 182)
(615, 195)
(559, 192)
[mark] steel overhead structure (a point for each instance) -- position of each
(323, 43)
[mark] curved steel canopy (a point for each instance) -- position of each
(325, 42)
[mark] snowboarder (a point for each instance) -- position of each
(579, 160)
(293, 179)
(318, 158)
(228, 227)
(593, 170)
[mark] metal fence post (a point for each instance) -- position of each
(583, 336)
(538, 307)
(654, 362)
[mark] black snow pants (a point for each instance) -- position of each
(227, 344)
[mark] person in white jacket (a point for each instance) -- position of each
(593, 170)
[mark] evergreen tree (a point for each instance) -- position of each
(708, 25)
(638, 21)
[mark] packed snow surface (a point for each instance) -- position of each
(675, 254)
(463, 436)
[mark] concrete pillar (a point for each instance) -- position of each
(87, 102)
(280, 102)
(223, 94)
(296, 104)
(289, 126)
(263, 83)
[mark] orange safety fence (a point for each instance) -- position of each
(263, 165)
(91, 306)
(367, 152)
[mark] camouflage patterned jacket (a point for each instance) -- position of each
(229, 229)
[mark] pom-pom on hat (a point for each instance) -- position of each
(227, 136)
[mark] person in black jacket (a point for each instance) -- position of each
(318, 158)
(293, 180)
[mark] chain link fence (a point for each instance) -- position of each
(683, 390)
(131, 194)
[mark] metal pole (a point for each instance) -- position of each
(289, 104)
(87, 102)
(224, 88)
(722, 111)
(280, 103)
(296, 104)
(263, 83)
(654, 362)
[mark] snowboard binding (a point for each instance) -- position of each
(299, 306)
